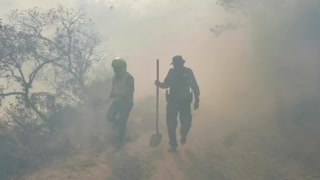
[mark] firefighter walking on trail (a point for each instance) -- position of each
(179, 80)
(121, 97)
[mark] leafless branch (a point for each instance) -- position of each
(11, 94)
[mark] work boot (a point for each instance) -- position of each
(183, 139)
(172, 149)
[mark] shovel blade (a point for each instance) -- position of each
(155, 140)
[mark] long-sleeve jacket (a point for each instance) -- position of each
(180, 83)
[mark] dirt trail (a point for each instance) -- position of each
(99, 166)
(216, 149)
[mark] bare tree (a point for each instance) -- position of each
(69, 33)
(20, 63)
(52, 48)
(58, 46)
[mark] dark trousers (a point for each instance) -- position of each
(118, 114)
(183, 108)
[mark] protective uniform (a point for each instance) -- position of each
(179, 80)
(122, 98)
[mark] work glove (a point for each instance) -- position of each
(196, 105)
(157, 83)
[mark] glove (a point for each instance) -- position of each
(157, 83)
(196, 105)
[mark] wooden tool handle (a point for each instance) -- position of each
(157, 99)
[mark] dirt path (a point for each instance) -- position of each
(99, 165)
(215, 150)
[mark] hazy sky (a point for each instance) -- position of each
(144, 30)
(232, 68)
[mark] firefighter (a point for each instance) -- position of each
(121, 97)
(182, 88)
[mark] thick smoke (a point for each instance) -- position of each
(264, 71)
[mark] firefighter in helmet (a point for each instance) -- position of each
(121, 97)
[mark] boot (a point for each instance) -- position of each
(183, 140)
(172, 149)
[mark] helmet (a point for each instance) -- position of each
(119, 63)
(177, 60)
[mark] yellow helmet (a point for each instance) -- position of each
(119, 63)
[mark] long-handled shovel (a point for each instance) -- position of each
(156, 138)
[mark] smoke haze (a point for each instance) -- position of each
(265, 71)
